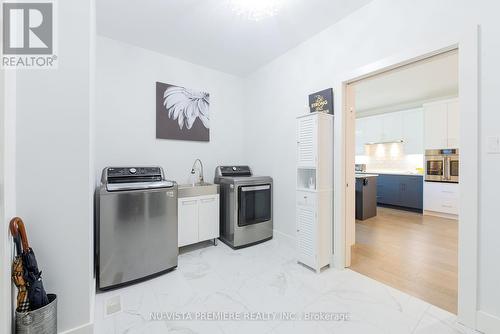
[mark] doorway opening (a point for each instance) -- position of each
(403, 149)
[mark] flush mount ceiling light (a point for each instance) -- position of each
(256, 10)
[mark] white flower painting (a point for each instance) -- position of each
(182, 113)
(186, 105)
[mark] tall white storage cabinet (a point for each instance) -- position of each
(442, 124)
(314, 189)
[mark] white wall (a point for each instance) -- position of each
(54, 184)
(126, 78)
(384, 28)
(53, 121)
(4, 236)
(7, 192)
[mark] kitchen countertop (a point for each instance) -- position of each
(390, 173)
(365, 175)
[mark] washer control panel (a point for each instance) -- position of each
(133, 174)
(235, 171)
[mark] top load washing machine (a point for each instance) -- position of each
(136, 225)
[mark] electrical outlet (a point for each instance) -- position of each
(494, 144)
(112, 306)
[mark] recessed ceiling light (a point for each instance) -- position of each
(256, 10)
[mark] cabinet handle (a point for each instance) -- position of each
(188, 202)
(446, 206)
(207, 200)
(447, 191)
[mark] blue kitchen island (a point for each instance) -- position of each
(403, 191)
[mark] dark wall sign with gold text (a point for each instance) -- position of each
(322, 101)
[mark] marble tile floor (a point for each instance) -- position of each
(265, 281)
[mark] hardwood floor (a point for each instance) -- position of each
(413, 253)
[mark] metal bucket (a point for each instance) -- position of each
(40, 321)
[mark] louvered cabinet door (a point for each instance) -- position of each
(306, 236)
(306, 141)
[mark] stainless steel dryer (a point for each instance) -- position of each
(246, 206)
(136, 225)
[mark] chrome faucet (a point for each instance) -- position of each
(200, 177)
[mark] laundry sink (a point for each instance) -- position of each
(198, 189)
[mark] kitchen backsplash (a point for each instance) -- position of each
(390, 157)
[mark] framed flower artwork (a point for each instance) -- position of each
(182, 113)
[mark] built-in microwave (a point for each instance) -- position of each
(442, 165)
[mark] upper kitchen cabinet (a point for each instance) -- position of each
(368, 130)
(435, 124)
(361, 129)
(453, 124)
(413, 131)
(441, 124)
(402, 125)
(392, 129)
(373, 129)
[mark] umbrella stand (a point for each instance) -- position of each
(32, 275)
(18, 271)
(36, 311)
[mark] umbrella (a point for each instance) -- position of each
(23, 304)
(32, 275)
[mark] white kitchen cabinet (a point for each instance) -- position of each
(392, 127)
(188, 220)
(198, 219)
(360, 136)
(401, 125)
(435, 126)
(441, 199)
(208, 220)
(373, 129)
(441, 125)
(413, 131)
(453, 124)
(314, 199)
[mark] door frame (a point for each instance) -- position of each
(7, 194)
(468, 49)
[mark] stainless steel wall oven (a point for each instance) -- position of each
(442, 165)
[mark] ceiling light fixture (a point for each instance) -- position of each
(256, 10)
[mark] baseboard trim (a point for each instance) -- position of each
(333, 262)
(440, 214)
(83, 329)
(287, 238)
(487, 323)
(284, 236)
